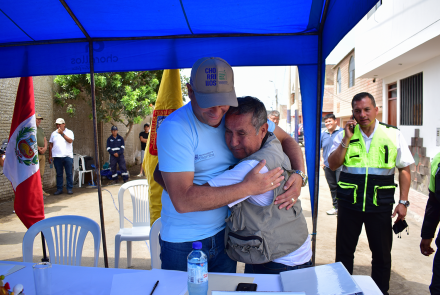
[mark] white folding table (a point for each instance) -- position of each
(76, 280)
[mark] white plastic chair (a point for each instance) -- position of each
(64, 237)
(76, 168)
(140, 231)
(154, 244)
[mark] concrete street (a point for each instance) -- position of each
(411, 271)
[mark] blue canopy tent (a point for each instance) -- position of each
(50, 37)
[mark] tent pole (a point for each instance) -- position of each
(317, 148)
(318, 130)
(97, 164)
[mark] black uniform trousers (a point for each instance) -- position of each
(332, 180)
(380, 239)
(121, 162)
(435, 283)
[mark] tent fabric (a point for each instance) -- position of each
(175, 34)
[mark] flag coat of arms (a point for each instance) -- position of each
(21, 165)
(168, 100)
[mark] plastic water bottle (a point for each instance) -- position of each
(197, 271)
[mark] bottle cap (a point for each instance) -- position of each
(197, 245)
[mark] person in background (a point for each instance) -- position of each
(331, 176)
(369, 151)
(143, 137)
(274, 116)
(42, 147)
(116, 147)
(61, 152)
(430, 222)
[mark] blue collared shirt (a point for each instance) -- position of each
(327, 142)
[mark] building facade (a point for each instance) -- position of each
(399, 43)
(346, 85)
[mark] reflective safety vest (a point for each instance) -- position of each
(434, 183)
(366, 182)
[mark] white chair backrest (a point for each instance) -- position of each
(76, 158)
(64, 237)
(154, 244)
(138, 190)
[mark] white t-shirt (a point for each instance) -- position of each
(404, 157)
(61, 148)
(236, 175)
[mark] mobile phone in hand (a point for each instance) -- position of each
(352, 126)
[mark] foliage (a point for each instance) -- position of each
(124, 97)
(183, 81)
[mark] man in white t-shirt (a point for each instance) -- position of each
(246, 133)
(61, 152)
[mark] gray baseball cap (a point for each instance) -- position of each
(212, 80)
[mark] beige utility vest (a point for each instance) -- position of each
(259, 234)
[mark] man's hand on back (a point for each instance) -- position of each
(258, 183)
(116, 155)
(293, 189)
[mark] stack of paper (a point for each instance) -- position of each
(320, 280)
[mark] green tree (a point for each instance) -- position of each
(124, 97)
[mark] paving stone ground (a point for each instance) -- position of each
(411, 271)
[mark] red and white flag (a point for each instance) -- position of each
(21, 163)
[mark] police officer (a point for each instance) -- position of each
(115, 147)
(430, 222)
(369, 152)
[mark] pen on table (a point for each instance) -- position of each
(154, 288)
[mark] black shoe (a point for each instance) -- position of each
(69, 192)
(114, 182)
(125, 180)
(58, 192)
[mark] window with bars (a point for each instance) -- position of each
(411, 100)
(351, 73)
(339, 80)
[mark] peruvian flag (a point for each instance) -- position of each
(21, 163)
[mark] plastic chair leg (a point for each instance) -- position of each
(117, 250)
(80, 178)
(129, 254)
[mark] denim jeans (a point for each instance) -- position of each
(174, 255)
(67, 163)
(273, 267)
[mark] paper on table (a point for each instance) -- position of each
(7, 269)
(225, 282)
(170, 282)
(320, 280)
(4, 268)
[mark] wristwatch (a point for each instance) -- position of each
(303, 176)
(404, 203)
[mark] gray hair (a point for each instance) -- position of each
(249, 104)
(273, 113)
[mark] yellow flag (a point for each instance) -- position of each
(168, 100)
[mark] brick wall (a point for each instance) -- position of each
(43, 91)
(342, 100)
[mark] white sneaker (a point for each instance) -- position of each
(332, 211)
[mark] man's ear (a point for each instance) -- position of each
(190, 90)
(263, 130)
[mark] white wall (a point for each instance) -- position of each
(398, 26)
(431, 103)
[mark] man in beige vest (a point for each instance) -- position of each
(42, 147)
(267, 239)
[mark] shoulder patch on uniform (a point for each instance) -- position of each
(388, 126)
